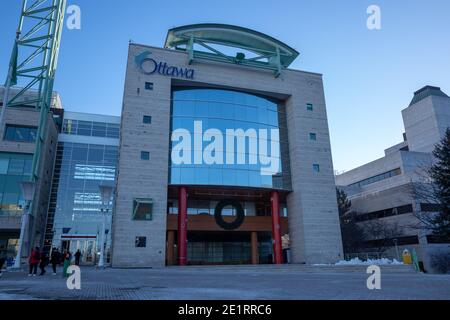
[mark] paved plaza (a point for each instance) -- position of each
(229, 282)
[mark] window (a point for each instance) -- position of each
(142, 209)
(145, 155)
(113, 130)
(430, 207)
(99, 129)
(313, 136)
(149, 86)
(70, 126)
(385, 213)
(16, 166)
(227, 109)
(401, 241)
(4, 163)
(436, 239)
(316, 168)
(13, 169)
(20, 133)
(90, 128)
(84, 128)
(377, 178)
(95, 154)
(147, 120)
(27, 167)
(309, 107)
(141, 242)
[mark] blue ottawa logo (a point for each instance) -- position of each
(150, 66)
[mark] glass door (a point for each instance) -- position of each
(87, 249)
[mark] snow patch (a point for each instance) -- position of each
(358, 262)
(378, 262)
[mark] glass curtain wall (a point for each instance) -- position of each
(91, 128)
(76, 200)
(222, 110)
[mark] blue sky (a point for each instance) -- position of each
(369, 76)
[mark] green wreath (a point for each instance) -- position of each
(240, 215)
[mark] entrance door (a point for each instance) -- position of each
(89, 252)
(86, 247)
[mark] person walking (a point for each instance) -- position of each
(77, 257)
(3, 256)
(55, 259)
(33, 261)
(44, 262)
(67, 257)
(63, 256)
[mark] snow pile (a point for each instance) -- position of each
(378, 262)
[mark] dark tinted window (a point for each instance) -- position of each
(377, 178)
(20, 133)
(148, 86)
(147, 119)
(145, 155)
(141, 242)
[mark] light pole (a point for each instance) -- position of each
(105, 193)
(396, 249)
(27, 188)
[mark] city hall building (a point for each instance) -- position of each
(224, 155)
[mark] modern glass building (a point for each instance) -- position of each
(224, 154)
(18, 132)
(87, 155)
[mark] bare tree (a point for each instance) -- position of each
(380, 234)
(425, 194)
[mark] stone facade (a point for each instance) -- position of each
(313, 218)
(425, 121)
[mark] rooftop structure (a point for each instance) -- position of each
(200, 40)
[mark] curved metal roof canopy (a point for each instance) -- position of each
(269, 53)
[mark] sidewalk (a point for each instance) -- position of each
(227, 282)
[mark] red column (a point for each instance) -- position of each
(182, 226)
(255, 257)
(276, 232)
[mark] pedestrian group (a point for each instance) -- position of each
(42, 260)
